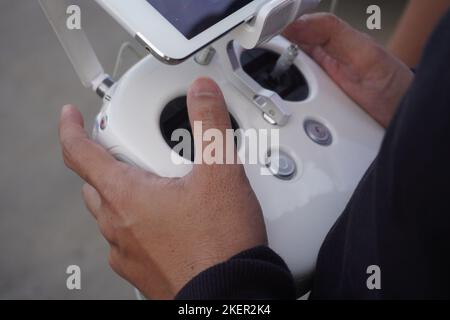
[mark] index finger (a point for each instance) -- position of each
(324, 34)
(86, 158)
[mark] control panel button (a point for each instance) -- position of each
(285, 168)
(318, 132)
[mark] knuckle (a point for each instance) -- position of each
(69, 148)
(91, 196)
(331, 18)
(110, 192)
(333, 22)
(67, 161)
(71, 152)
(114, 262)
(106, 228)
(108, 234)
(212, 109)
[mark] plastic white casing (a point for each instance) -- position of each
(298, 213)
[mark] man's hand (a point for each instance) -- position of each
(372, 77)
(163, 232)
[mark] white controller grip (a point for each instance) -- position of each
(272, 18)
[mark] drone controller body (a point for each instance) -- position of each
(327, 143)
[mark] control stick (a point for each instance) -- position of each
(285, 62)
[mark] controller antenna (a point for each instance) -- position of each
(78, 48)
(285, 61)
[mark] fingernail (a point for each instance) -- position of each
(204, 88)
(66, 108)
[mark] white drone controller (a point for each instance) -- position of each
(326, 141)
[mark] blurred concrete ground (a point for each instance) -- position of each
(44, 226)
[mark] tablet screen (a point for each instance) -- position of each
(192, 17)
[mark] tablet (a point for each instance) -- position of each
(173, 30)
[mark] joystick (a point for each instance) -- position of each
(326, 141)
(284, 62)
(174, 116)
(276, 72)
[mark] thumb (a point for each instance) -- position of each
(209, 118)
(318, 29)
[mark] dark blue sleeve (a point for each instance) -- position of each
(399, 217)
(256, 274)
